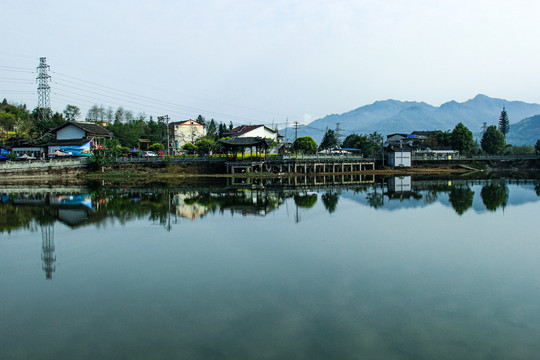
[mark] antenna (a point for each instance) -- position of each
(43, 89)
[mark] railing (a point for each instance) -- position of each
(429, 157)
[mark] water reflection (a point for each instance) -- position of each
(403, 268)
(78, 207)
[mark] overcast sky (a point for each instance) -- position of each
(266, 61)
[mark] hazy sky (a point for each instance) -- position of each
(265, 61)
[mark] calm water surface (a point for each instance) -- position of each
(400, 270)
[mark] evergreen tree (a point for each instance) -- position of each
(329, 140)
(212, 130)
(504, 123)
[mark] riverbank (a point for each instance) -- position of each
(175, 173)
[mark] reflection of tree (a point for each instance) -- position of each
(537, 189)
(375, 199)
(461, 199)
(431, 196)
(305, 201)
(493, 196)
(330, 201)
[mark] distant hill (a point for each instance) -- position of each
(525, 132)
(393, 116)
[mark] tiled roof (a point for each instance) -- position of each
(90, 128)
(184, 122)
(241, 130)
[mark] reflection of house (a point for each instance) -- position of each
(188, 209)
(73, 210)
(183, 132)
(400, 184)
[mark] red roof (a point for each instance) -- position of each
(183, 122)
(240, 130)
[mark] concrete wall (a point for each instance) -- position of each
(38, 165)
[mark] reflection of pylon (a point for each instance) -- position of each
(47, 247)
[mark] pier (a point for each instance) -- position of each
(307, 164)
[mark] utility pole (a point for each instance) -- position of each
(296, 125)
(43, 89)
(166, 118)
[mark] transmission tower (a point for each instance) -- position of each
(47, 247)
(43, 90)
(338, 134)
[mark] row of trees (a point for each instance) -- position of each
(460, 138)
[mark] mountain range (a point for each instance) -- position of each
(394, 116)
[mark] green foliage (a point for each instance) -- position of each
(504, 123)
(493, 196)
(370, 145)
(305, 144)
(461, 139)
(305, 201)
(439, 140)
(156, 147)
(330, 201)
(329, 140)
(493, 141)
(212, 130)
(72, 112)
(204, 146)
(537, 146)
(461, 199)
(189, 148)
(519, 150)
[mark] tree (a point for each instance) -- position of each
(537, 146)
(156, 147)
(305, 144)
(189, 148)
(72, 113)
(461, 139)
(201, 120)
(204, 146)
(493, 141)
(212, 130)
(329, 140)
(504, 123)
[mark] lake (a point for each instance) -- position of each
(398, 268)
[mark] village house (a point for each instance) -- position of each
(253, 131)
(183, 132)
(77, 138)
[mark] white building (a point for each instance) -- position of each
(183, 132)
(253, 131)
